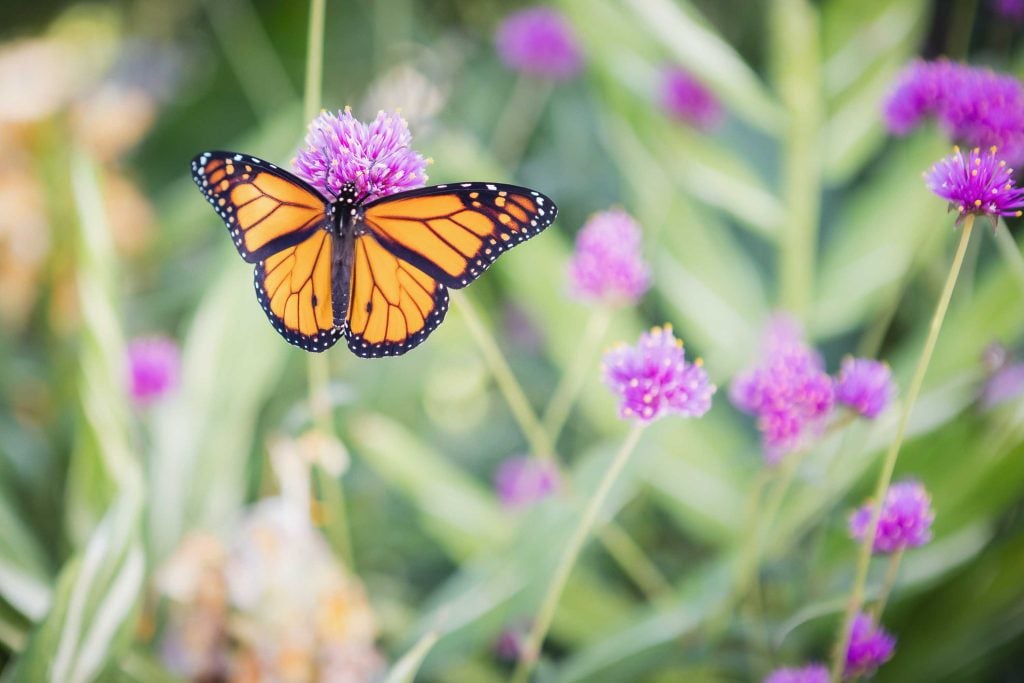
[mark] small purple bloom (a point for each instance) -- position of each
(812, 673)
(1005, 384)
(376, 157)
(607, 265)
(509, 644)
(1009, 9)
(154, 365)
(864, 385)
(978, 183)
(870, 647)
(523, 481)
(919, 92)
(906, 520)
(653, 378)
(788, 392)
(539, 41)
(687, 100)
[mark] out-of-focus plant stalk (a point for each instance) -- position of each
(961, 26)
(889, 464)
(1009, 250)
(891, 572)
(331, 491)
(797, 66)
(517, 122)
(531, 646)
(565, 394)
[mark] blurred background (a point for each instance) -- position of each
(156, 458)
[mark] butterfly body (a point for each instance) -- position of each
(376, 272)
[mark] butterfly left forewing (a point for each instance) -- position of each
(454, 232)
(392, 304)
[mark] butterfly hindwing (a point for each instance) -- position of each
(454, 232)
(295, 285)
(392, 305)
(264, 207)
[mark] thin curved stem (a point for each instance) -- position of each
(534, 640)
(519, 119)
(891, 572)
(565, 394)
(889, 464)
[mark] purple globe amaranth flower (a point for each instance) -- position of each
(375, 157)
(154, 367)
(788, 391)
(522, 481)
(686, 99)
(539, 41)
(978, 183)
(1009, 9)
(509, 645)
(1004, 384)
(865, 385)
(607, 265)
(811, 673)
(870, 647)
(975, 106)
(653, 378)
(905, 522)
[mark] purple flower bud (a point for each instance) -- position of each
(376, 157)
(653, 378)
(870, 647)
(905, 522)
(539, 41)
(154, 366)
(687, 100)
(978, 183)
(607, 265)
(812, 673)
(865, 385)
(1005, 384)
(523, 481)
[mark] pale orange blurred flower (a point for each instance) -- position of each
(111, 120)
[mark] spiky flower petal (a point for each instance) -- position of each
(978, 183)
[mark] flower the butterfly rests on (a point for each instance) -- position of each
(345, 255)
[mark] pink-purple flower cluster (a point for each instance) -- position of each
(522, 481)
(654, 379)
(978, 183)
(375, 157)
(1009, 9)
(539, 41)
(811, 673)
(870, 647)
(974, 106)
(865, 386)
(788, 391)
(607, 265)
(905, 522)
(688, 100)
(154, 366)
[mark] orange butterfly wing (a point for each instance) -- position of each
(265, 208)
(454, 232)
(392, 305)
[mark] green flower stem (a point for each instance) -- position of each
(889, 464)
(630, 556)
(1010, 252)
(797, 62)
(891, 572)
(575, 377)
(519, 119)
(332, 495)
(534, 640)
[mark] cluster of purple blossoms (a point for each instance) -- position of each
(522, 481)
(978, 183)
(905, 522)
(975, 106)
(687, 100)
(154, 367)
(539, 41)
(375, 157)
(606, 266)
(865, 386)
(1009, 9)
(654, 379)
(870, 647)
(811, 673)
(788, 391)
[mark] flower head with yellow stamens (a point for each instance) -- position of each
(978, 183)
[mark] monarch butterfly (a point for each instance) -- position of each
(375, 272)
